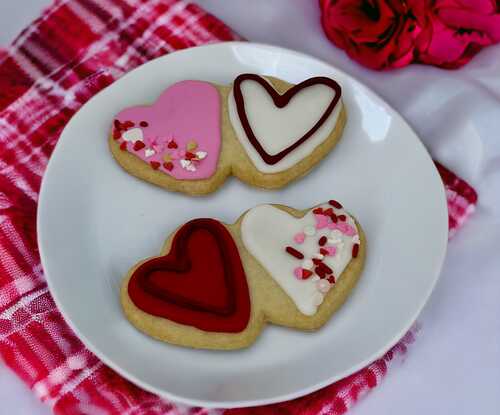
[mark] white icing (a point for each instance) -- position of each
(278, 128)
(309, 230)
(201, 155)
(266, 231)
(132, 135)
(149, 152)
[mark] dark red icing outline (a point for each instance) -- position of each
(280, 101)
(232, 317)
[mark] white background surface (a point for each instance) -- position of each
(454, 367)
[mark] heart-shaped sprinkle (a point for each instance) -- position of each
(172, 144)
(149, 152)
(133, 135)
(168, 165)
(155, 165)
(139, 145)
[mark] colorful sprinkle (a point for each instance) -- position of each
(190, 156)
(143, 124)
(318, 211)
(321, 221)
(117, 134)
(299, 238)
(155, 165)
(302, 274)
(293, 252)
(117, 124)
(322, 240)
(326, 268)
(123, 146)
(355, 250)
(342, 218)
(331, 279)
(335, 204)
(320, 272)
(306, 274)
(168, 165)
(172, 144)
(191, 145)
(127, 124)
(139, 145)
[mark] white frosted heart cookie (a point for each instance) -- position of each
(215, 286)
(263, 130)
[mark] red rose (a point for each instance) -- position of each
(377, 33)
(455, 30)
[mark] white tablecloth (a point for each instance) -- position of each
(454, 367)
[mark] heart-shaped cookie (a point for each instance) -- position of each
(178, 135)
(264, 131)
(200, 282)
(216, 285)
(305, 256)
(279, 130)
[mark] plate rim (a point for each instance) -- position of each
(252, 402)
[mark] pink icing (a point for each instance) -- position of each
(185, 112)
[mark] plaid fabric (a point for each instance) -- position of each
(76, 48)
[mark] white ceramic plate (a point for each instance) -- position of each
(95, 221)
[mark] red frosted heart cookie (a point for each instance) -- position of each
(200, 282)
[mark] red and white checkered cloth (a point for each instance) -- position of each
(75, 49)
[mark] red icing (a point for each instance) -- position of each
(200, 282)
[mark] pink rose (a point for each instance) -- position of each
(377, 33)
(455, 30)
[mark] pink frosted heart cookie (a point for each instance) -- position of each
(261, 129)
